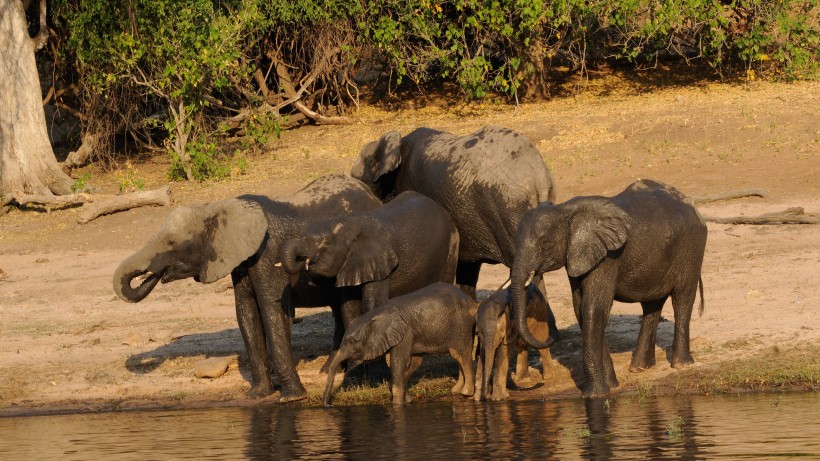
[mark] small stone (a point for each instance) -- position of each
(213, 367)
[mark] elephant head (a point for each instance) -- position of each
(205, 242)
(353, 251)
(368, 337)
(378, 164)
(576, 234)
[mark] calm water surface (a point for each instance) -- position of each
(740, 427)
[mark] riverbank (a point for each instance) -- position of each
(67, 343)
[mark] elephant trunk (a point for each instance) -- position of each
(335, 363)
(294, 255)
(520, 278)
(133, 267)
(489, 347)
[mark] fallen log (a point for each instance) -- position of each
(94, 206)
(701, 199)
(795, 215)
(115, 203)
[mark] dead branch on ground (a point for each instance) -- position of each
(94, 206)
(794, 215)
(113, 204)
(701, 199)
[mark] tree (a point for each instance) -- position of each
(27, 162)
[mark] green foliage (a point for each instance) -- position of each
(207, 161)
(81, 184)
(174, 70)
(129, 180)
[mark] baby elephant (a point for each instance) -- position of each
(495, 332)
(436, 319)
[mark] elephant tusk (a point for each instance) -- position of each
(506, 284)
(277, 265)
(529, 280)
(307, 264)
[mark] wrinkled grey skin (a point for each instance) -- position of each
(495, 333)
(241, 237)
(485, 180)
(406, 244)
(642, 245)
(439, 318)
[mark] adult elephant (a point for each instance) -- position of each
(486, 181)
(242, 237)
(644, 245)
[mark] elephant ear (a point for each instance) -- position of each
(234, 231)
(383, 331)
(370, 256)
(384, 155)
(595, 229)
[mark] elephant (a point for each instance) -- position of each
(399, 247)
(436, 319)
(485, 180)
(642, 245)
(495, 333)
(241, 237)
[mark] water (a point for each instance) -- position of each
(761, 426)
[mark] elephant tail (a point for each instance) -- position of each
(700, 286)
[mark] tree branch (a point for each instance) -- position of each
(113, 204)
(701, 199)
(795, 215)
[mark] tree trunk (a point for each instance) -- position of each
(27, 161)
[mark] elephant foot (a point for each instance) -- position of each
(292, 398)
(503, 395)
(467, 391)
(640, 364)
(398, 400)
(683, 361)
(292, 393)
(595, 390)
(259, 391)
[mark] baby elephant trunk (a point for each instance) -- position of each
(335, 363)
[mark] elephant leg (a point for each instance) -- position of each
(375, 294)
(502, 369)
(546, 362)
(522, 366)
(466, 384)
(400, 362)
(338, 334)
(415, 363)
(596, 301)
(644, 356)
(467, 277)
(479, 377)
(253, 335)
(682, 303)
(277, 326)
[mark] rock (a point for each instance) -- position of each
(213, 367)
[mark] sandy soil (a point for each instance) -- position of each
(68, 343)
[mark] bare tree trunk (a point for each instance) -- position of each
(27, 161)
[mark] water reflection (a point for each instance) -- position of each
(756, 426)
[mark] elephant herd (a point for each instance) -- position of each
(395, 250)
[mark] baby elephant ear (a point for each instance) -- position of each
(384, 331)
(234, 231)
(595, 229)
(370, 257)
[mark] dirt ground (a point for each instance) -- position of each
(67, 343)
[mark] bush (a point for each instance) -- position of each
(166, 71)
